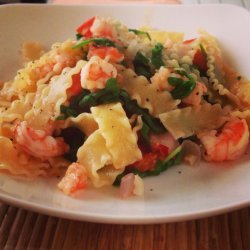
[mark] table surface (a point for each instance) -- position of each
(22, 229)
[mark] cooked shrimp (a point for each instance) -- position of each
(38, 143)
(101, 28)
(53, 62)
(75, 178)
(96, 72)
(230, 144)
(110, 54)
(62, 60)
(195, 97)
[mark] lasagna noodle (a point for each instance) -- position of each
(115, 128)
(103, 154)
(182, 123)
(26, 78)
(216, 72)
(216, 85)
(50, 97)
(95, 157)
(18, 109)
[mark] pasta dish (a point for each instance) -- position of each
(115, 105)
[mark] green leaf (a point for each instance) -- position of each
(142, 65)
(172, 159)
(182, 72)
(141, 33)
(156, 57)
(107, 95)
(145, 132)
(141, 59)
(143, 71)
(66, 111)
(98, 41)
(175, 81)
(182, 88)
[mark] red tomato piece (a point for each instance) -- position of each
(147, 162)
(84, 29)
(159, 152)
(76, 87)
(200, 60)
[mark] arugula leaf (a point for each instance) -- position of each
(172, 159)
(73, 109)
(141, 33)
(66, 112)
(183, 88)
(175, 81)
(142, 65)
(145, 132)
(156, 57)
(141, 59)
(145, 66)
(99, 41)
(107, 95)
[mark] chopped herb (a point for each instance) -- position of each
(156, 57)
(141, 33)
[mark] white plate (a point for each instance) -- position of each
(180, 193)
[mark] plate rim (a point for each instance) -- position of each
(59, 213)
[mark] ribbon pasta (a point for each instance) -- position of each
(110, 156)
